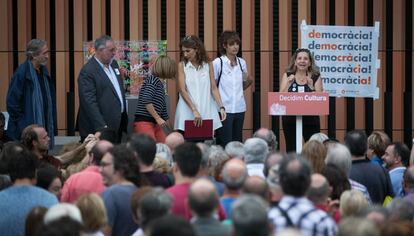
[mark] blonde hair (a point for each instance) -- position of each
(315, 152)
(352, 203)
(93, 212)
(164, 67)
(378, 141)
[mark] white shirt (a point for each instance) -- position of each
(109, 71)
(231, 83)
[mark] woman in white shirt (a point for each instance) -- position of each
(231, 77)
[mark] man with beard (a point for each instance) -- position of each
(31, 95)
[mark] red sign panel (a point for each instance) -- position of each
(298, 104)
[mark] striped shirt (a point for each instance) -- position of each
(152, 92)
(300, 213)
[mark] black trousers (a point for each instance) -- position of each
(311, 125)
(232, 129)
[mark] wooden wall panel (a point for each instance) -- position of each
(289, 13)
(5, 50)
(266, 58)
(398, 69)
(379, 15)
(229, 15)
(247, 36)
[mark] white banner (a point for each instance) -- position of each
(347, 57)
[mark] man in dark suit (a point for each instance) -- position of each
(101, 92)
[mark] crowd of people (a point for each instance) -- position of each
(155, 182)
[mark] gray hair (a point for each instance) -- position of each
(217, 156)
(339, 156)
(249, 215)
(61, 210)
(205, 154)
(234, 149)
(255, 150)
(320, 137)
(101, 41)
(400, 209)
(164, 152)
(33, 47)
(233, 183)
(154, 204)
(269, 138)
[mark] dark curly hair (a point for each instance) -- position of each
(126, 163)
(228, 37)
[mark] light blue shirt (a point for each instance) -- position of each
(396, 176)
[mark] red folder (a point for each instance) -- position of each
(205, 131)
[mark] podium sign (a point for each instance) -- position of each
(298, 104)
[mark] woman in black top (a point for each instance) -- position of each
(302, 75)
(151, 115)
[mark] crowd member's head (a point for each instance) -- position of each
(170, 225)
(120, 164)
(273, 181)
(164, 67)
(50, 179)
(63, 210)
(98, 151)
(93, 212)
(256, 185)
(37, 52)
(234, 174)
(356, 142)
(188, 158)
(2, 124)
(409, 179)
(145, 148)
(337, 179)
(295, 175)
(315, 153)
(205, 159)
(400, 210)
(153, 205)
(249, 216)
(357, 227)
(135, 200)
(377, 214)
(173, 140)
(400, 228)
(312, 68)
(320, 137)
(21, 164)
(352, 203)
(378, 141)
(107, 134)
(35, 138)
(319, 190)
(339, 156)
(5, 181)
(192, 50)
(203, 198)
(217, 157)
(34, 221)
(234, 149)
(255, 150)
(268, 136)
(164, 152)
(62, 226)
(228, 38)
(105, 49)
(273, 158)
(396, 155)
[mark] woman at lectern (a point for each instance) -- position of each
(302, 75)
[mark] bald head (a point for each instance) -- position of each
(268, 136)
(99, 150)
(318, 191)
(409, 178)
(234, 174)
(203, 198)
(173, 140)
(256, 185)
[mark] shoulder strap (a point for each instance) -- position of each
(241, 68)
(305, 215)
(284, 213)
(221, 71)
